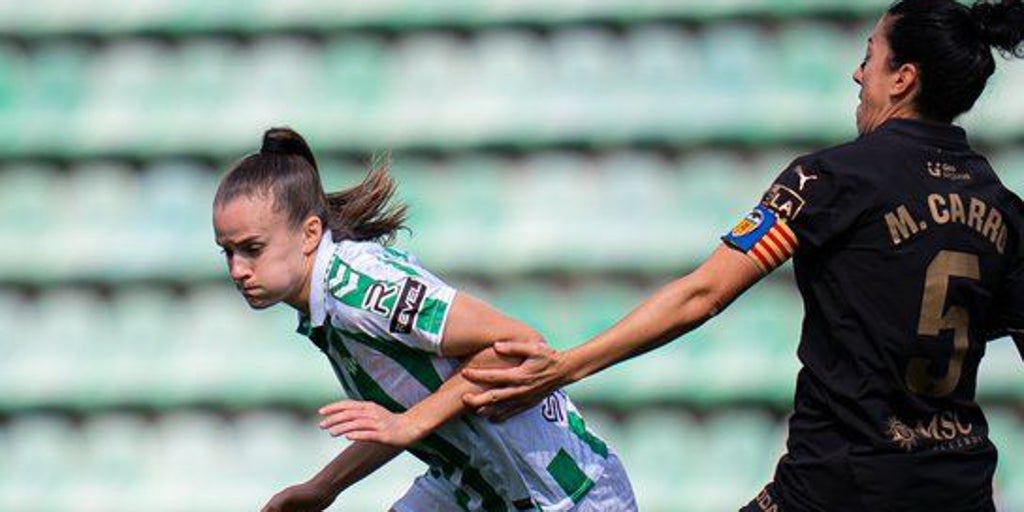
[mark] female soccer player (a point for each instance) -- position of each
(905, 244)
(394, 333)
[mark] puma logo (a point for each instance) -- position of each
(804, 178)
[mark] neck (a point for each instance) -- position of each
(300, 300)
(898, 111)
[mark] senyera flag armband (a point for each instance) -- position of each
(764, 237)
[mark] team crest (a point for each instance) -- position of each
(902, 435)
(749, 224)
(764, 236)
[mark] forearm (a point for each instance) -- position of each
(446, 402)
(354, 463)
(673, 311)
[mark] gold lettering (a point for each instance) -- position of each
(992, 225)
(948, 426)
(929, 431)
(786, 210)
(1001, 240)
(964, 430)
(975, 218)
(937, 205)
(901, 227)
(956, 206)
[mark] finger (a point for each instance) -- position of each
(518, 399)
(493, 397)
(510, 410)
(353, 426)
(517, 348)
(342, 417)
(338, 406)
(369, 436)
(478, 400)
(493, 376)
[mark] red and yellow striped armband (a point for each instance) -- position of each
(764, 237)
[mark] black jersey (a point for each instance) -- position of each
(904, 243)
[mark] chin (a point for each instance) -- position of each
(259, 302)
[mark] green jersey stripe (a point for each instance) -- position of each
(367, 388)
(579, 427)
(431, 316)
(569, 476)
(492, 502)
(370, 390)
(417, 363)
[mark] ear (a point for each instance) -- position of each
(312, 232)
(905, 81)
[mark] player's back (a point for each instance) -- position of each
(908, 239)
(380, 318)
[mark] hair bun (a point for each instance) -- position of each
(1001, 24)
(285, 141)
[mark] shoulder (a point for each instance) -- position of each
(855, 160)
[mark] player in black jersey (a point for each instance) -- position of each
(907, 252)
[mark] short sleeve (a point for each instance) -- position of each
(807, 206)
(387, 296)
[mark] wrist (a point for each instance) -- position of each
(570, 368)
(324, 486)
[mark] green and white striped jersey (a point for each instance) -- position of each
(379, 316)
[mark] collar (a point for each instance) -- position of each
(947, 136)
(317, 306)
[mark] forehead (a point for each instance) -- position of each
(878, 34)
(246, 216)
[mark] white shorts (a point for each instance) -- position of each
(611, 493)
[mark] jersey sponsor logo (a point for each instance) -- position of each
(376, 297)
(552, 408)
(784, 201)
(764, 237)
(942, 431)
(946, 171)
(408, 305)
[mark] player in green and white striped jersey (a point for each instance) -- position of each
(396, 336)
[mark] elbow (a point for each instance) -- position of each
(698, 300)
(527, 335)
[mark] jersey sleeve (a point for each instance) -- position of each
(807, 206)
(390, 297)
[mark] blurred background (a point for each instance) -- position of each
(562, 159)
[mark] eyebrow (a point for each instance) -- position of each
(244, 241)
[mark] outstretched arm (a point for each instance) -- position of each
(351, 465)
(473, 327)
(672, 311)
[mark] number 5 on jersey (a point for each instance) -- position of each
(945, 265)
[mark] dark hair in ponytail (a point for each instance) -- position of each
(286, 170)
(952, 47)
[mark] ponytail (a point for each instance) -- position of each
(366, 211)
(951, 44)
(1001, 25)
(286, 170)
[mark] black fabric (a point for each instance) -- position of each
(881, 422)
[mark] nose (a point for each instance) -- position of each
(858, 75)
(239, 270)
